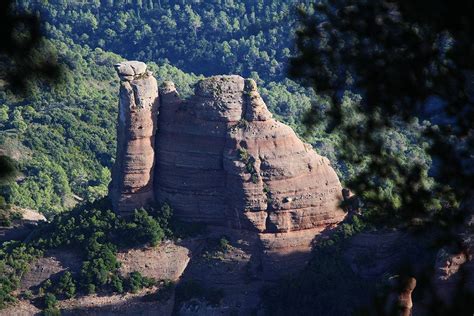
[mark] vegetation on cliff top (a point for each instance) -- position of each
(205, 37)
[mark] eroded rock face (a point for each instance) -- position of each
(132, 175)
(372, 255)
(222, 159)
(275, 182)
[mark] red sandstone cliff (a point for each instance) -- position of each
(220, 158)
(132, 175)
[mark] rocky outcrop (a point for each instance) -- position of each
(189, 148)
(132, 175)
(51, 266)
(166, 262)
(234, 270)
(144, 303)
(372, 255)
(21, 228)
(454, 268)
(221, 159)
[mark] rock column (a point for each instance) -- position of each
(132, 175)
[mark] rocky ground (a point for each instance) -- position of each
(233, 269)
(23, 226)
(230, 269)
(224, 262)
(191, 259)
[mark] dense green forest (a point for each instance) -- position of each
(206, 37)
(64, 136)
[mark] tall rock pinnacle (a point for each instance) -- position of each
(221, 159)
(132, 175)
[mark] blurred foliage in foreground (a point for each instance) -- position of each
(409, 63)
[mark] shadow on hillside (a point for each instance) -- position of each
(139, 305)
(362, 274)
(223, 276)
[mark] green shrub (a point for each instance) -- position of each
(117, 284)
(90, 288)
(100, 267)
(50, 300)
(164, 219)
(50, 303)
(15, 258)
(27, 295)
(16, 216)
(224, 244)
(54, 311)
(249, 162)
(66, 285)
(142, 229)
(5, 220)
(6, 288)
(5, 213)
(136, 282)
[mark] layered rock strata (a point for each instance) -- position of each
(132, 175)
(221, 159)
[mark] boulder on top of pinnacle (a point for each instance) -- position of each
(129, 70)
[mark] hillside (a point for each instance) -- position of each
(90, 259)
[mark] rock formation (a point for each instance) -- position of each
(165, 262)
(132, 175)
(221, 159)
(400, 301)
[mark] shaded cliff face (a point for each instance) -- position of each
(132, 175)
(222, 159)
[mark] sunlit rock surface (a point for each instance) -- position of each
(219, 158)
(222, 159)
(132, 175)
